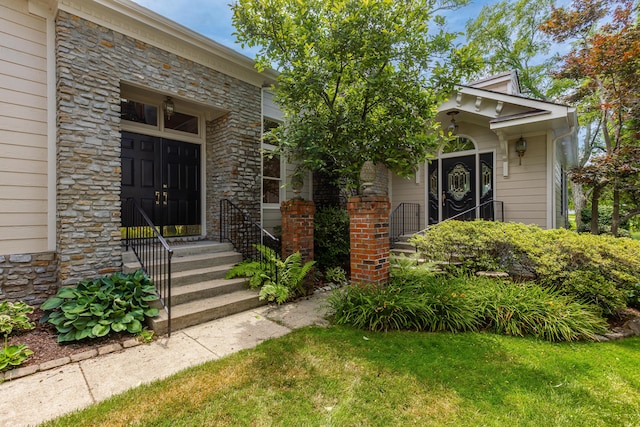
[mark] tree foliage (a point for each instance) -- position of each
(359, 80)
(604, 66)
(509, 35)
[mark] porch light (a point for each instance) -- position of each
(521, 148)
(453, 126)
(168, 107)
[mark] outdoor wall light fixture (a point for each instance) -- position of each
(521, 148)
(169, 107)
(453, 126)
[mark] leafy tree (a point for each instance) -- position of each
(509, 35)
(359, 79)
(604, 65)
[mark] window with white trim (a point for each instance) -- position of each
(271, 166)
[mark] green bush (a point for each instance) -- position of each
(529, 309)
(96, 307)
(279, 280)
(331, 238)
(426, 302)
(600, 269)
(13, 316)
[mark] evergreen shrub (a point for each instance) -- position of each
(331, 238)
(600, 269)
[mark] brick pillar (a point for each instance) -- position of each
(369, 229)
(297, 228)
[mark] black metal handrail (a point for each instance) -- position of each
(404, 219)
(239, 228)
(486, 214)
(490, 206)
(151, 250)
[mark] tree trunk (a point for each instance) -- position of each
(615, 216)
(595, 199)
(579, 201)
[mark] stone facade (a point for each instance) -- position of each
(31, 278)
(92, 62)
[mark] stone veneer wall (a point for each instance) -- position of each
(31, 278)
(92, 61)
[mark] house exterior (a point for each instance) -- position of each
(105, 100)
(480, 174)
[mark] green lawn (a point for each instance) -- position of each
(340, 376)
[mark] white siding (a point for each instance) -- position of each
(23, 130)
(524, 191)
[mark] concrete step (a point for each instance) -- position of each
(209, 289)
(198, 261)
(204, 310)
(189, 277)
(185, 249)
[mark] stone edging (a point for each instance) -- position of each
(16, 373)
(631, 328)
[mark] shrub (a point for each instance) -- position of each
(605, 216)
(13, 316)
(425, 302)
(96, 307)
(601, 269)
(529, 309)
(331, 237)
(280, 280)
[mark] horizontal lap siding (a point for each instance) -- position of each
(23, 130)
(524, 191)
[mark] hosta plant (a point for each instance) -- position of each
(13, 355)
(99, 306)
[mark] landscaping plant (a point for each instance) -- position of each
(279, 280)
(13, 316)
(331, 238)
(423, 301)
(602, 269)
(96, 307)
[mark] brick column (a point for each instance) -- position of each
(297, 228)
(369, 229)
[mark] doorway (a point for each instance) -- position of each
(163, 175)
(461, 184)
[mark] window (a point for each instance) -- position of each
(458, 144)
(271, 167)
(182, 122)
(138, 112)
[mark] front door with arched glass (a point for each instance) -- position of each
(460, 183)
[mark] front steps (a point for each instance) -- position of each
(199, 292)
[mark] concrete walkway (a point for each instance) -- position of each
(48, 394)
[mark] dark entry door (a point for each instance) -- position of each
(164, 176)
(458, 187)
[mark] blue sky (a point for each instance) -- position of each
(212, 18)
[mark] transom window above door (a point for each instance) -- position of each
(153, 115)
(458, 144)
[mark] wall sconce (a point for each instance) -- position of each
(521, 148)
(453, 126)
(169, 107)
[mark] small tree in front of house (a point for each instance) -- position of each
(359, 80)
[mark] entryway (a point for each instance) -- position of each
(163, 175)
(460, 184)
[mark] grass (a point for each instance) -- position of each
(341, 376)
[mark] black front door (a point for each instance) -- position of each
(164, 176)
(458, 196)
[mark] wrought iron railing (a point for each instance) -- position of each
(404, 219)
(491, 210)
(239, 228)
(151, 250)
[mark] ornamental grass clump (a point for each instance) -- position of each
(423, 301)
